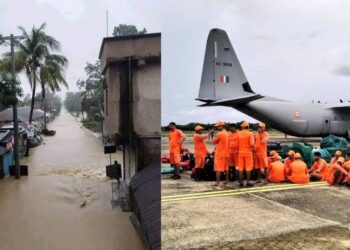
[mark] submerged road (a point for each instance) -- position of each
(64, 203)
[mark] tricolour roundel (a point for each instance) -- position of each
(297, 114)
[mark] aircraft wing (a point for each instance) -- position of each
(341, 107)
(231, 101)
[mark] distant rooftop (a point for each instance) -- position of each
(129, 37)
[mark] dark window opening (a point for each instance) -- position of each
(326, 121)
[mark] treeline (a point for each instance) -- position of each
(88, 102)
(192, 125)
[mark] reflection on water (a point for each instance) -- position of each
(64, 203)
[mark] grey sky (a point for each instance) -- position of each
(294, 50)
(79, 25)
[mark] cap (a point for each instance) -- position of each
(291, 152)
(341, 159)
(338, 153)
(297, 156)
(198, 127)
(276, 157)
(220, 123)
(244, 124)
(272, 153)
(262, 125)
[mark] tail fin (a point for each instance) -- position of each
(222, 75)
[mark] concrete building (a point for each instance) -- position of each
(131, 66)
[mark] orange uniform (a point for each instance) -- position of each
(287, 163)
(276, 172)
(221, 141)
(298, 172)
(233, 149)
(260, 159)
(320, 167)
(175, 138)
(200, 149)
(331, 171)
(245, 154)
(346, 165)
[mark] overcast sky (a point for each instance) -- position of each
(295, 50)
(79, 25)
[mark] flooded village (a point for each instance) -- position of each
(88, 166)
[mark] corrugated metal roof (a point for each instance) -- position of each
(23, 114)
(145, 188)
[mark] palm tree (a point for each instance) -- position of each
(51, 75)
(35, 48)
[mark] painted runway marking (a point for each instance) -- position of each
(210, 194)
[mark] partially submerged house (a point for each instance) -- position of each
(6, 152)
(23, 144)
(131, 66)
(6, 116)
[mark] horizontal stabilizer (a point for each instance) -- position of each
(231, 102)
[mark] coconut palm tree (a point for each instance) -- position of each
(35, 48)
(51, 75)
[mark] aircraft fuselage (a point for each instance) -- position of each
(297, 119)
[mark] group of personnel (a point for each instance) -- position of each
(245, 152)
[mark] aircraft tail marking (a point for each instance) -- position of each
(222, 75)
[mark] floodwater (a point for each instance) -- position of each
(65, 202)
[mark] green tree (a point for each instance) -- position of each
(72, 102)
(92, 92)
(34, 49)
(9, 90)
(126, 30)
(51, 76)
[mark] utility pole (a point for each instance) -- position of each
(12, 39)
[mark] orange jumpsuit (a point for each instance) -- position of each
(233, 149)
(287, 163)
(221, 151)
(175, 138)
(331, 171)
(200, 149)
(245, 154)
(346, 166)
(299, 172)
(260, 159)
(276, 172)
(320, 167)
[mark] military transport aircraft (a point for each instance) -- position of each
(224, 83)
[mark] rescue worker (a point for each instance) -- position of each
(299, 173)
(260, 149)
(288, 161)
(233, 151)
(275, 172)
(245, 154)
(335, 158)
(269, 159)
(346, 164)
(176, 138)
(337, 173)
(221, 141)
(319, 169)
(200, 150)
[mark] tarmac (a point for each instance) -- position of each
(279, 216)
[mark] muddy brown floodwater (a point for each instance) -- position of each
(65, 202)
